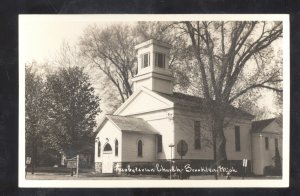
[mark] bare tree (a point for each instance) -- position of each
(68, 55)
(233, 58)
(111, 49)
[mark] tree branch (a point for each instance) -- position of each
(261, 85)
(261, 43)
(197, 54)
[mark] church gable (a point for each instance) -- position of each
(273, 128)
(142, 102)
(266, 126)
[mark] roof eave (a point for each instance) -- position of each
(140, 132)
(196, 108)
(102, 122)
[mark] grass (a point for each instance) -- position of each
(62, 170)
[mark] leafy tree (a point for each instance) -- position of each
(233, 58)
(72, 109)
(35, 118)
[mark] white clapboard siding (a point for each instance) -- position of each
(162, 121)
(257, 154)
(184, 130)
(130, 147)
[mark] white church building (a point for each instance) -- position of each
(154, 118)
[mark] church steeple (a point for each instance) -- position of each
(153, 67)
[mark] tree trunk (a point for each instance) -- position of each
(32, 155)
(219, 141)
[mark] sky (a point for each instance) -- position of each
(43, 39)
(41, 36)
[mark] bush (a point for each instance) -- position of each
(272, 171)
(49, 158)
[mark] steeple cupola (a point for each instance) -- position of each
(153, 67)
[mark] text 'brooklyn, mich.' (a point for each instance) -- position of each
(187, 168)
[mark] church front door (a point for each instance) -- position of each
(107, 163)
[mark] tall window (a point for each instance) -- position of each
(237, 138)
(197, 134)
(276, 143)
(145, 60)
(160, 60)
(140, 148)
(99, 149)
(267, 143)
(159, 143)
(116, 148)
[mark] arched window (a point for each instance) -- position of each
(99, 149)
(107, 148)
(116, 148)
(140, 148)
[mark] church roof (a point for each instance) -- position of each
(199, 103)
(132, 124)
(258, 126)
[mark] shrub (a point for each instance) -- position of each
(49, 158)
(271, 170)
